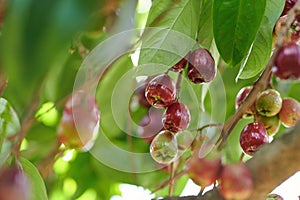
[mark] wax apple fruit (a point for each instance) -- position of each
(204, 171)
(80, 121)
(178, 67)
(177, 117)
(268, 103)
(253, 136)
(287, 6)
(161, 91)
(290, 112)
(272, 124)
(236, 182)
(240, 97)
(201, 66)
(287, 62)
(163, 148)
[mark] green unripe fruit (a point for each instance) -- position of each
(272, 124)
(268, 103)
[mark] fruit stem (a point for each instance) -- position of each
(263, 81)
(242, 157)
(171, 182)
(3, 83)
(178, 83)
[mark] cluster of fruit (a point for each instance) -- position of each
(268, 111)
(164, 130)
(208, 170)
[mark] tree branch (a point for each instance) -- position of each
(270, 166)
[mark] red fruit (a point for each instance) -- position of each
(80, 121)
(240, 97)
(140, 93)
(204, 171)
(14, 184)
(201, 67)
(287, 62)
(150, 125)
(161, 91)
(236, 182)
(252, 137)
(177, 117)
(289, 4)
(295, 29)
(290, 112)
(181, 64)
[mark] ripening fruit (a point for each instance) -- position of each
(240, 97)
(236, 182)
(80, 121)
(272, 124)
(287, 62)
(288, 6)
(176, 117)
(290, 112)
(204, 171)
(274, 197)
(14, 184)
(268, 103)
(150, 125)
(163, 148)
(201, 66)
(161, 91)
(178, 67)
(140, 94)
(252, 137)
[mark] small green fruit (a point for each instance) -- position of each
(272, 124)
(268, 103)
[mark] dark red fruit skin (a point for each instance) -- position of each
(178, 67)
(150, 125)
(14, 184)
(204, 171)
(274, 197)
(80, 121)
(201, 67)
(288, 6)
(287, 62)
(290, 112)
(161, 91)
(240, 97)
(236, 182)
(140, 93)
(177, 117)
(253, 136)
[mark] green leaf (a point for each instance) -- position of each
(37, 36)
(262, 46)
(9, 125)
(38, 188)
(205, 32)
(235, 25)
(176, 28)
